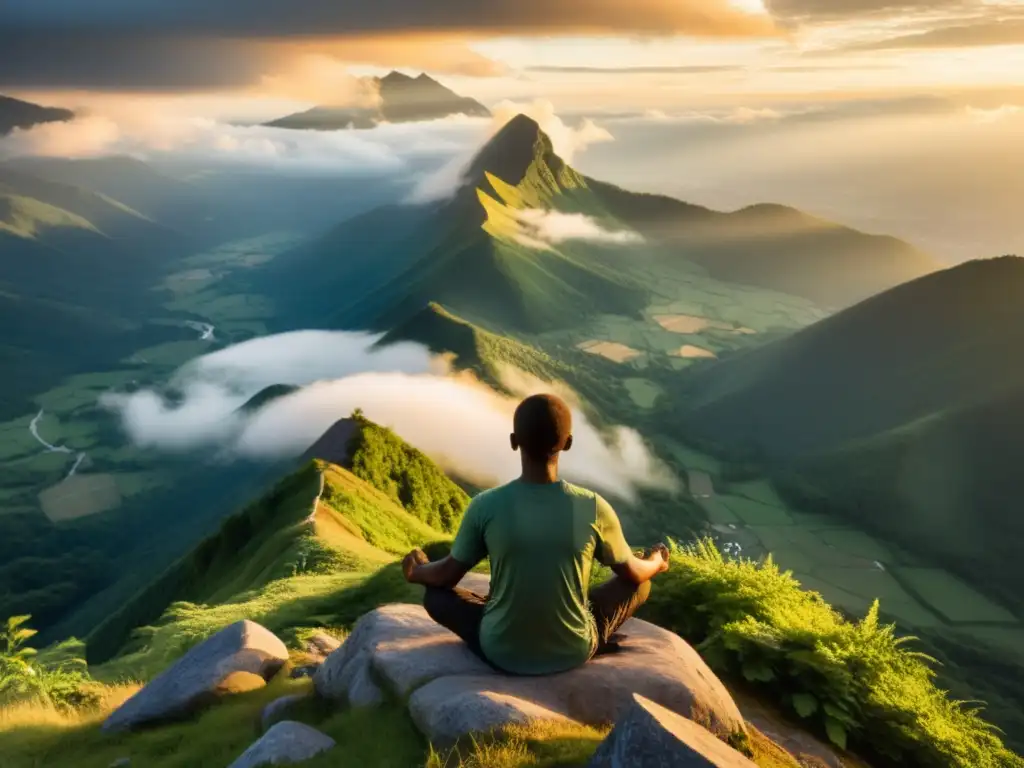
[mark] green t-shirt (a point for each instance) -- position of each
(542, 541)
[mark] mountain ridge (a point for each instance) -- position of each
(18, 114)
(477, 242)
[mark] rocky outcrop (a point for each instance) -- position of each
(240, 657)
(277, 710)
(650, 736)
(451, 692)
(287, 742)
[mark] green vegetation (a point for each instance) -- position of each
(856, 681)
(387, 462)
(916, 437)
(57, 678)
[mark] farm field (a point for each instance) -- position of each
(847, 566)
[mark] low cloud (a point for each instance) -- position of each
(985, 116)
(543, 228)
(153, 135)
(975, 33)
(455, 419)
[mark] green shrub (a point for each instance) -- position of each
(855, 681)
(58, 676)
(392, 466)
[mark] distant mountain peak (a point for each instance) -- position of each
(15, 113)
(402, 99)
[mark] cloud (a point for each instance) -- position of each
(542, 228)
(146, 133)
(987, 116)
(167, 44)
(839, 9)
(455, 419)
(697, 69)
(977, 34)
(284, 18)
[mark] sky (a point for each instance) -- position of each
(581, 54)
(903, 116)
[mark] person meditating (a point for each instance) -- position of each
(542, 535)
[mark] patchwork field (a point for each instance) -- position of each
(692, 319)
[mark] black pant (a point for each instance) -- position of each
(611, 605)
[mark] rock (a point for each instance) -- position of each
(452, 692)
(238, 657)
(650, 736)
(121, 762)
(306, 670)
(286, 742)
(321, 645)
(275, 710)
(447, 709)
(476, 582)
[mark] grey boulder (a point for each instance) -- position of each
(650, 736)
(243, 652)
(398, 649)
(276, 710)
(287, 742)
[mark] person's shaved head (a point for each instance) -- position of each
(542, 427)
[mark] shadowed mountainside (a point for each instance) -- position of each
(15, 113)
(905, 412)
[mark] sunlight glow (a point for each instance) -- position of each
(749, 6)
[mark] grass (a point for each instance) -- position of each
(856, 682)
(643, 392)
(952, 597)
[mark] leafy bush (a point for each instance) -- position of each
(386, 462)
(856, 681)
(59, 676)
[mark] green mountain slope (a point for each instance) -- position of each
(15, 113)
(469, 254)
(529, 245)
(324, 518)
(774, 246)
(903, 412)
(473, 348)
(74, 267)
(155, 195)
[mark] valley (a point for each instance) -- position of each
(725, 367)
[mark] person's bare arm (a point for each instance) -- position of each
(445, 573)
(639, 570)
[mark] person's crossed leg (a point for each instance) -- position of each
(612, 604)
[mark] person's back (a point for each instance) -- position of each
(541, 540)
(542, 536)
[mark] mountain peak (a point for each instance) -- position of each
(512, 149)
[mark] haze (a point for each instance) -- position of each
(893, 117)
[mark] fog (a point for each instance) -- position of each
(948, 177)
(455, 419)
(543, 228)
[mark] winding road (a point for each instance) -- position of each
(33, 427)
(205, 329)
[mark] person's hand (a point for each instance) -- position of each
(412, 561)
(660, 551)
